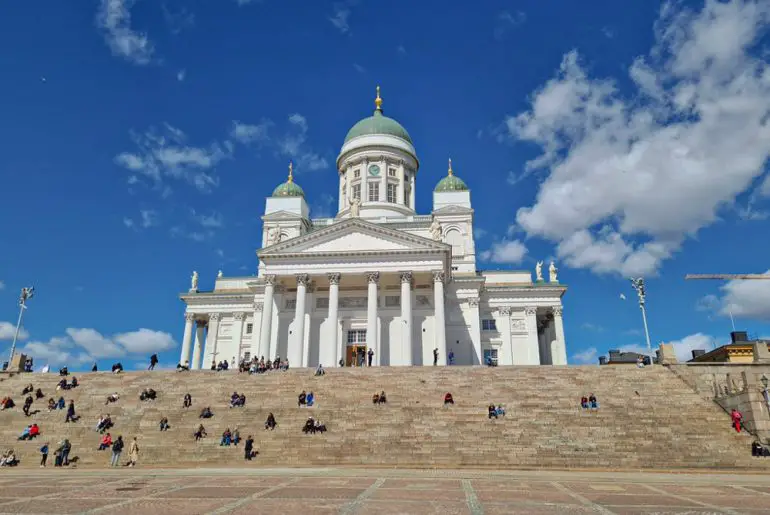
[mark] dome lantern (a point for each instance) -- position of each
(289, 188)
(451, 182)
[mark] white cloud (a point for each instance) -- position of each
(213, 221)
(80, 346)
(743, 298)
(340, 17)
(505, 252)
(246, 133)
(586, 357)
(178, 20)
(181, 74)
(129, 223)
(588, 326)
(7, 330)
(292, 144)
(631, 177)
(145, 341)
(506, 21)
(479, 233)
(165, 155)
(114, 19)
(199, 236)
(2, 285)
(149, 217)
(323, 208)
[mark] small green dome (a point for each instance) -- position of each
(378, 123)
(451, 182)
(289, 188)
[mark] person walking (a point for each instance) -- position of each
(153, 362)
(435, 357)
(133, 453)
(370, 355)
(117, 448)
(43, 455)
(70, 412)
(248, 449)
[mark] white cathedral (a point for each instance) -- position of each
(376, 276)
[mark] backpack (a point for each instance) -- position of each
(44, 449)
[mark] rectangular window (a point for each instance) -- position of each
(488, 325)
(392, 193)
(249, 328)
(356, 193)
(357, 336)
(247, 356)
(356, 174)
(392, 301)
(291, 303)
(322, 302)
(490, 357)
(391, 172)
(374, 191)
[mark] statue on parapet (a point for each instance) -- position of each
(219, 274)
(539, 271)
(552, 270)
(194, 281)
(355, 207)
(435, 230)
(274, 236)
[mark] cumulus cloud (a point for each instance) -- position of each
(682, 347)
(82, 345)
(114, 20)
(7, 330)
(586, 357)
(163, 155)
(2, 285)
(340, 16)
(248, 133)
(743, 298)
(214, 220)
(505, 252)
(630, 177)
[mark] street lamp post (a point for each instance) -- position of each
(26, 294)
(638, 285)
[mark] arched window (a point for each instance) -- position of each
(455, 239)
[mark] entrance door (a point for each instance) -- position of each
(355, 353)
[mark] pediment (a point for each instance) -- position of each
(354, 236)
(453, 210)
(282, 215)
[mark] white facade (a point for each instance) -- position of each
(376, 276)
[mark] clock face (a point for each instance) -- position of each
(374, 170)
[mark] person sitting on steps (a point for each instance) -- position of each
(206, 413)
(309, 426)
(39, 394)
(302, 399)
(105, 424)
(319, 427)
(383, 398)
(492, 412)
(106, 442)
(376, 398)
(113, 397)
(60, 403)
(448, 399)
(51, 404)
(148, 394)
(187, 401)
(183, 368)
(270, 423)
(758, 450)
(200, 433)
(584, 402)
(164, 424)
(7, 403)
(310, 400)
(28, 389)
(500, 410)
(227, 437)
(592, 402)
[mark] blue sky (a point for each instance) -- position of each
(140, 139)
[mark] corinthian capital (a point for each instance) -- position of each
(333, 278)
(505, 311)
(302, 279)
(438, 276)
(214, 317)
(406, 277)
(270, 279)
(239, 316)
(373, 277)
(189, 317)
(557, 311)
(530, 311)
(259, 306)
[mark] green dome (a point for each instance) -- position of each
(451, 182)
(289, 188)
(378, 123)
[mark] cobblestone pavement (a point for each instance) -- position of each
(359, 491)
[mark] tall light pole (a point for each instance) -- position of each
(641, 292)
(26, 294)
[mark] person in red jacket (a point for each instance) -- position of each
(34, 431)
(737, 419)
(106, 442)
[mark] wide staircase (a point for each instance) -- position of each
(647, 418)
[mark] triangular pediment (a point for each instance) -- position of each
(354, 236)
(282, 215)
(452, 210)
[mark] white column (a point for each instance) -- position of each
(406, 318)
(255, 335)
(309, 303)
(296, 344)
(198, 347)
(333, 323)
(505, 332)
(372, 338)
(533, 343)
(211, 339)
(238, 337)
(559, 355)
(478, 357)
(189, 319)
(440, 323)
(267, 318)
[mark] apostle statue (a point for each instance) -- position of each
(194, 281)
(435, 230)
(552, 273)
(355, 207)
(539, 271)
(219, 274)
(274, 236)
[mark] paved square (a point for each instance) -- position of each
(387, 492)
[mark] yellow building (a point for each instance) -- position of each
(740, 350)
